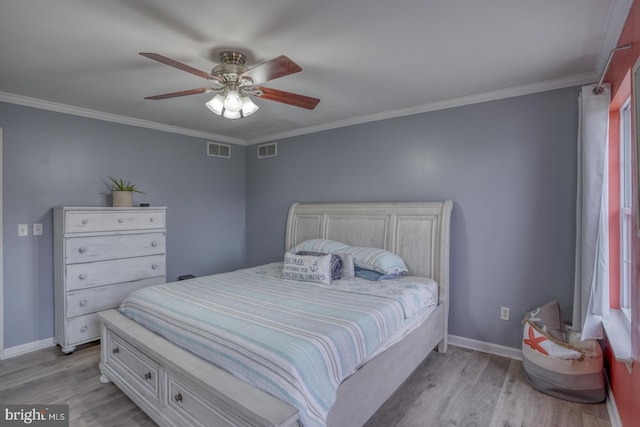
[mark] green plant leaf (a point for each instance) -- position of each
(122, 185)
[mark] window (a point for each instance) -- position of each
(626, 222)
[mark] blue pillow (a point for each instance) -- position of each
(374, 276)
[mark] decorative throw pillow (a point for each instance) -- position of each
(336, 262)
(325, 246)
(549, 318)
(536, 340)
(376, 259)
(307, 268)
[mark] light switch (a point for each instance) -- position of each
(37, 229)
(23, 230)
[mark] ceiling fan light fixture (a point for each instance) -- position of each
(231, 114)
(233, 81)
(248, 107)
(227, 106)
(233, 101)
(216, 104)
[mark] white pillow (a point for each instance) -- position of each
(377, 259)
(319, 245)
(307, 268)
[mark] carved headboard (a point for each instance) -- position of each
(417, 232)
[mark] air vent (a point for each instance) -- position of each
(267, 150)
(218, 150)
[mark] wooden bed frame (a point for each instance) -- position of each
(176, 388)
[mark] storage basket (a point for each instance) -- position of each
(571, 371)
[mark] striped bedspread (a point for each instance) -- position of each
(294, 340)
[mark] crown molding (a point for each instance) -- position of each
(494, 95)
(108, 117)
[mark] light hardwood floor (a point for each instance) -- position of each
(459, 388)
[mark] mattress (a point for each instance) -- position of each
(295, 340)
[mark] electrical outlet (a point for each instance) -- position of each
(37, 229)
(23, 230)
(505, 313)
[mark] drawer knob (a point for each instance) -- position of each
(115, 350)
(83, 302)
(178, 397)
(154, 244)
(147, 376)
(120, 220)
(83, 328)
(82, 276)
(151, 219)
(82, 250)
(85, 221)
(154, 266)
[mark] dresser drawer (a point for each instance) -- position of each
(100, 248)
(188, 408)
(116, 220)
(103, 297)
(82, 329)
(81, 276)
(130, 362)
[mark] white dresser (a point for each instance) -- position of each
(100, 256)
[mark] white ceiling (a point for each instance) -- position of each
(365, 59)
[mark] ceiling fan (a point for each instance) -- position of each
(232, 82)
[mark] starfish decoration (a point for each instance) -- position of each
(534, 342)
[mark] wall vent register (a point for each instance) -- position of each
(267, 150)
(216, 149)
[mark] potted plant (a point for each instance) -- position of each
(122, 192)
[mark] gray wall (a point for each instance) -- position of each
(508, 165)
(52, 159)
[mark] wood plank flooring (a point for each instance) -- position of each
(459, 388)
(469, 388)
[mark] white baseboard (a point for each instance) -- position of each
(27, 348)
(485, 347)
(612, 408)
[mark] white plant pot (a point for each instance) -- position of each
(122, 199)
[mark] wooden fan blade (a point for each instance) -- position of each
(277, 67)
(181, 93)
(289, 98)
(181, 66)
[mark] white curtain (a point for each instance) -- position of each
(591, 293)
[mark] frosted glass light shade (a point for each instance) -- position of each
(232, 105)
(216, 104)
(232, 101)
(248, 107)
(231, 114)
